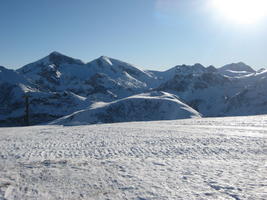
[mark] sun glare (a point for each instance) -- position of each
(241, 11)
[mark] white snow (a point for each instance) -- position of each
(208, 158)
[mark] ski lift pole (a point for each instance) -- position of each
(27, 113)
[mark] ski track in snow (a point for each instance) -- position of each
(209, 158)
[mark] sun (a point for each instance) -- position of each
(241, 11)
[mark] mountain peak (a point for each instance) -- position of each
(59, 58)
(239, 66)
(211, 68)
(240, 63)
(198, 65)
(53, 59)
(103, 57)
(189, 69)
(55, 53)
(103, 61)
(236, 70)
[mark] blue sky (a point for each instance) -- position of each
(153, 34)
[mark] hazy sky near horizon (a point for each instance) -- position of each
(152, 34)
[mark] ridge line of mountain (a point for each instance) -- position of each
(60, 85)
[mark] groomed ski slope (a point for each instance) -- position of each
(209, 158)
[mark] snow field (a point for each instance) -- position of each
(209, 158)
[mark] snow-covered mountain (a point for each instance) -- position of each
(213, 93)
(202, 88)
(13, 86)
(59, 85)
(44, 106)
(111, 77)
(236, 70)
(143, 107)
(252, 100)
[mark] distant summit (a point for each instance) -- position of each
(53, 59)
(58, 58)
(236, 69)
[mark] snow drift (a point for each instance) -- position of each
(143, 107)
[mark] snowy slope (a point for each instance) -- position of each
(206, 158)
(143, 107)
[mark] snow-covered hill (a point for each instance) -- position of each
(205, 158)
(143, 107)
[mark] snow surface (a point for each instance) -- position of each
(208, 158)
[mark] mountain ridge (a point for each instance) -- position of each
(59, 80)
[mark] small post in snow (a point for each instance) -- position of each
(27, 113)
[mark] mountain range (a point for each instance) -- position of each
(108, 90)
